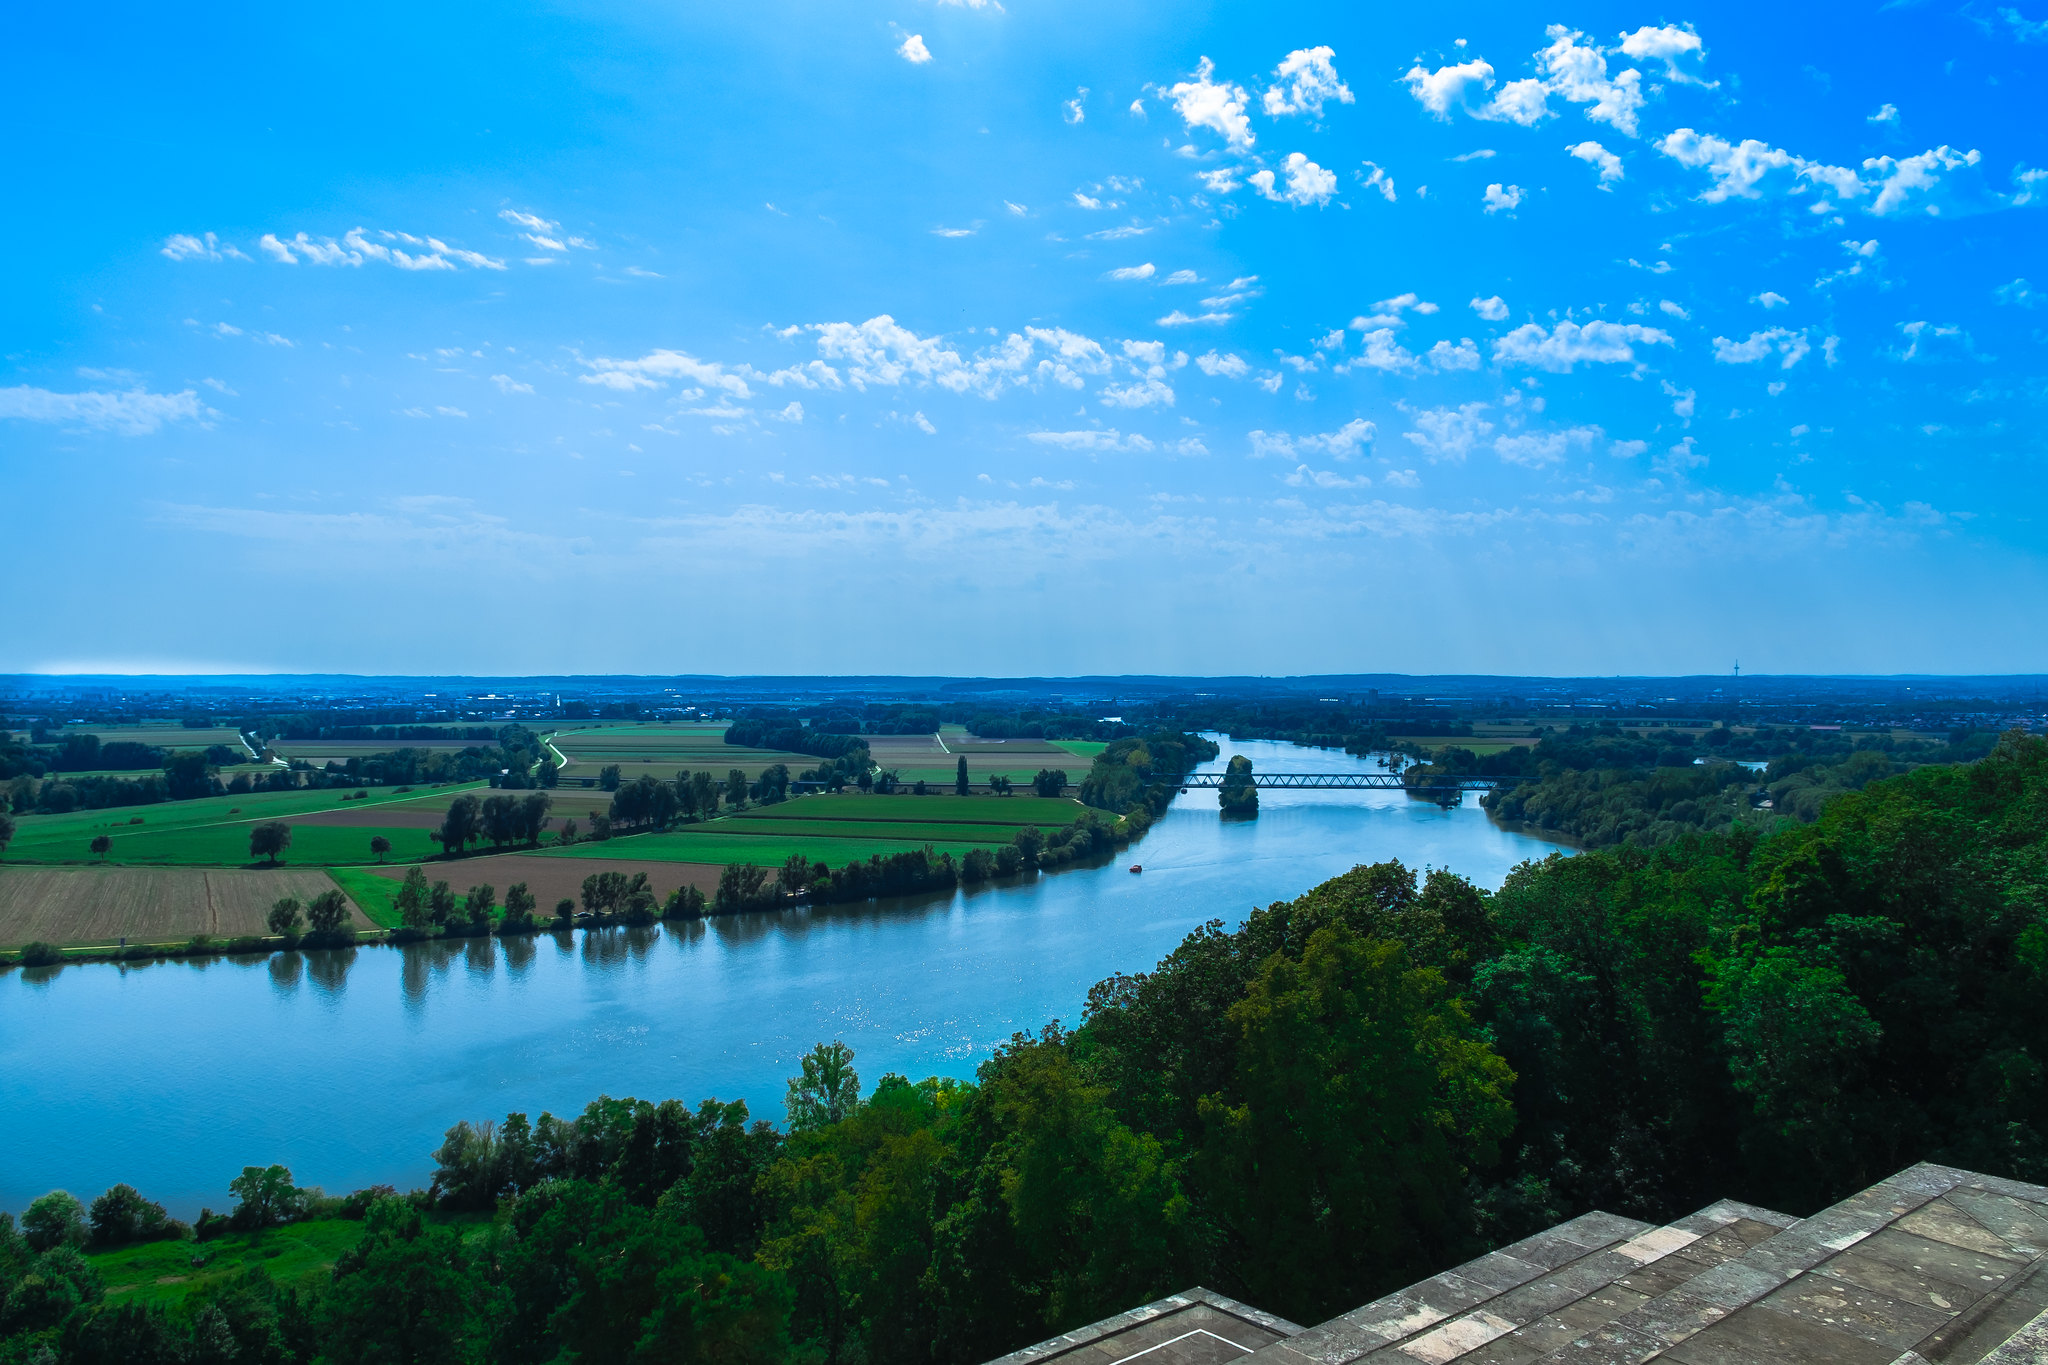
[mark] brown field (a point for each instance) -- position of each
(550, 879)
(101, 905)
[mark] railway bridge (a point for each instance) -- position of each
(1354, 781)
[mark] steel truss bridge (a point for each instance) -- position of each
(1356, 781)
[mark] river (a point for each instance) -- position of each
(348, 1066)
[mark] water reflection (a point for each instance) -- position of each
(481, 955)
(519, 953)
(328, 968)
(286, 971)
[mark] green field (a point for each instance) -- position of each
(1083, 748)
(661, 750)
(214, 830)
(162, 736)
(839, 829)
(162, 1274)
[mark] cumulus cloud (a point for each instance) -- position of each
(2018, 294)
(1307, 183)
(1599, 343)
(136, 412)
(1177, 318)
(1093, 442)
(1929, 342)
(879, 351)
(1215, 364)
(181, 246)
(1594, 154)
(1073, 355)
(913, 50)
(1182, 277)
(1204, 103)
(1447, 87)
(1501, 199)
(1683, 401)
(1520, 102)
(1862, 256)
(1769, 300)
(1075, 110)
(1744, 170)
(1493, 309)
(1373, 178)
(1143, 393)
(1382, 352)
(1463, 356)
(1307, 79)
(1305, 477)
(1536, 449)
(1671, 44)
(1345, 443)
(1578, 72)
(1887, 113)
(507, 384)
(1792, 346)
(1132, 272)
(656, 368)
(1449, 433)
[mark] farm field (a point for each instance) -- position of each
(101, 905)
(923, 758)
(321, 751)
(839, 829)
(660, 750)
(162, 736)
(214, 830)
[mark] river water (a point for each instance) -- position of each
(348, 1066)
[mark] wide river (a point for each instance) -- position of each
(348, 1066)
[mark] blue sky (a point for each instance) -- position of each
(1026, 338)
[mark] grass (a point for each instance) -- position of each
(162, 1274)
(162, 736)
(214, 830)
(1083, 748)
(375, 896)
(840, 829)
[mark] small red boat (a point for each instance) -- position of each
(1137, 867)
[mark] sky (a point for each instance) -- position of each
(1032, 337)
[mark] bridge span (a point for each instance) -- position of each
(1355, 781)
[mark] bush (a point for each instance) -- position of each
(122, 1215)
(685, 902)
(57, 1219)
(40, 954)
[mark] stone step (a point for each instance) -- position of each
(1933, 1259)
(1521, 1301)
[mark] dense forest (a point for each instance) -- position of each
(1345, 1093)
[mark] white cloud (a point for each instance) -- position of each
(1378, 180)
(1742, 170)
(1110, 441)
(1203, 103)
(1307, 81)
(879, 351)
(2024, 29)
(2027, 180)
(1536, 449)
(1402, 303)
(1382, 352)
(1683, 401)
(1668, 45)
(1934, 342)
(1144, 393)
(2019, 294)
(1769, 300)
(356, 246)
(1307, 183)
(1401, 478)
(1604, 343)
(1681, 457)
(1449, 433)
(1179, 319)
(1118, 234)
(1579, 73)
(1463, 356)
(1228, 366)
(1889, 113)
(1182, 277)
(1520, 102)
(226, 329)
(1483, 154)
(953, 232)
(1627, 450)
(1086, 201)
(794, 412)
(1132, 272)
(1137, 110)
(658, 367)
(1219, 182)
(1502, 199)
(507, 384)
(1304, 477)
(1017, 209)
(1493, 309)
(1073, 355)
(1345, 443)
(1445, 88)
(1075, 110)
(134, 413)
(1671, 309)
(182, 246)
(1595, 154)
(451, 412)
(1862, 255)
(1237, 291)
(913, 50)
(1792, 346)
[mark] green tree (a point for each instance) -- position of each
(736, 789)
(704, 786)
(794, 877)
(406, 1294)
(827, 1091)
(327, 911)
(441, 902)
(265, 1197)
(284, 919)
(519, 908)
(960, 784)
(379, 846)
(462, 825)
(480, 904)
(1363, 1098)
(414, 901)
(53, 1220)
(1238, 795)
(608, 777)
(7, 828)
(533, 815)
(269, 839)
(1050, 781)
(100, 845)
(122, 1215)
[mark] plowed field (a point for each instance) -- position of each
(101, 905)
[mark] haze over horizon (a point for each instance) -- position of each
(1027, 339)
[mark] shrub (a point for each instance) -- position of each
(41, 954)
(122, 1215)
(57, 1219)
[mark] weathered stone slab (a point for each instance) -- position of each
(1862, 1312)
(1757, 1335)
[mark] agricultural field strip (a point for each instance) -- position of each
(711, 850)
(856, 829)
(1005, 810)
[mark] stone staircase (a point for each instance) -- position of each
(1935, 1266)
